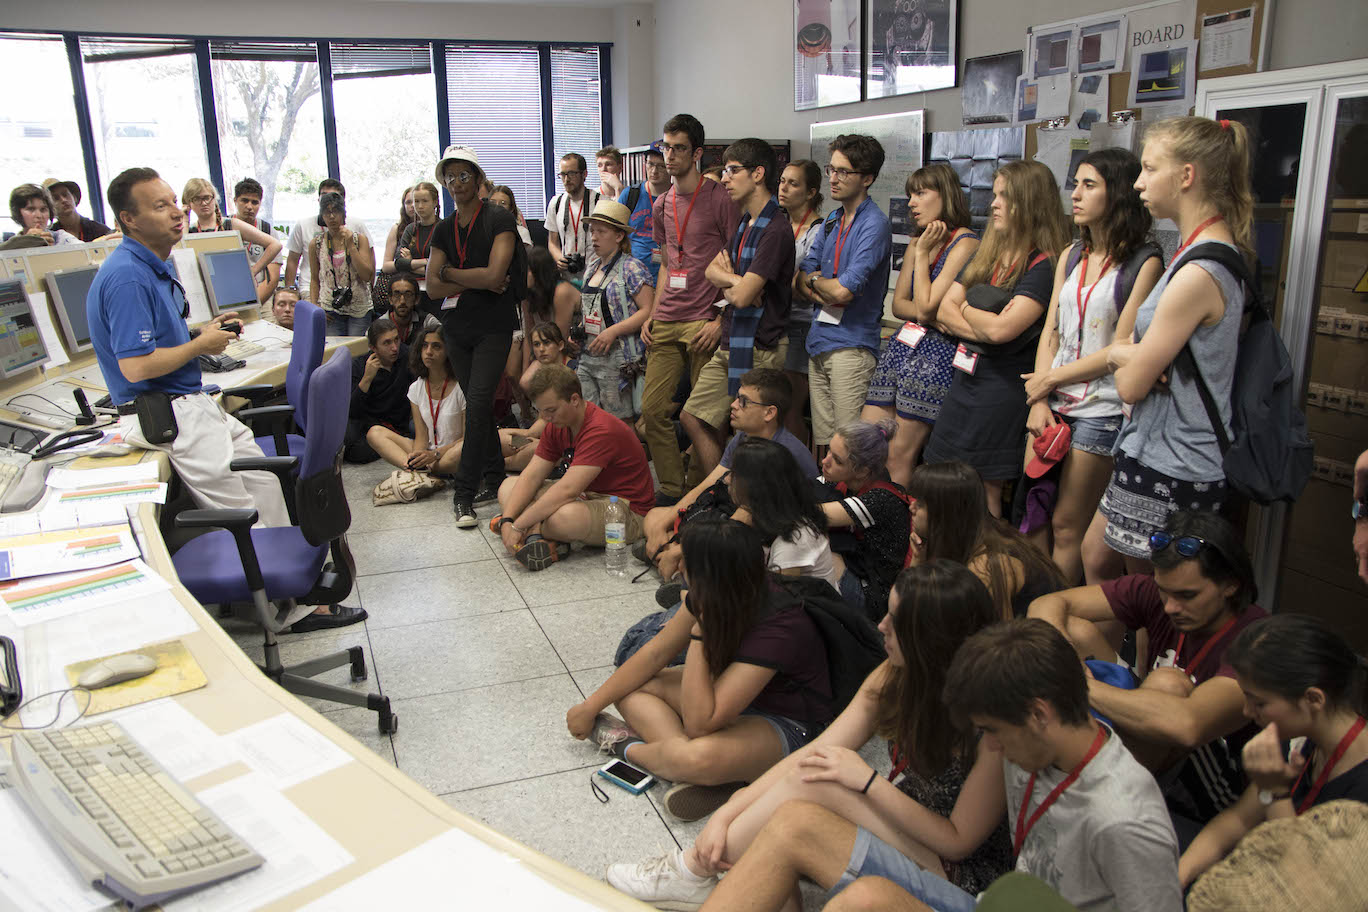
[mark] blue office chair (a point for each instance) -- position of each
(306, 354)
(282, 572)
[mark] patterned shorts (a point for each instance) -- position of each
(913, 380)
(1139, 499)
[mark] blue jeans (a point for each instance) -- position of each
(872, 857)
(343, 325)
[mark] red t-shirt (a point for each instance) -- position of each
(1136, 602)
(608, 444)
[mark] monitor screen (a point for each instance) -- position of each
(21, 344)
(68, 288)
(228, 280)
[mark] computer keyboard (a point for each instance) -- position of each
(121, 819)
(243, 349)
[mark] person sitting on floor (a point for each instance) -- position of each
(773, 497)
(380, 384)
(946, 809)
(408, 318)
(539, 517)
(1086, 818)
(757, 411)
(1301, 682)
(867, 512)
(754, 686)
(548, 347)
(1186, 719)
(950, 518)
(437, 408)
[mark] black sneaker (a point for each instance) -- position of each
(486, 494)
(639, 552)
(337, 616)
(669, 594)
(465, 514)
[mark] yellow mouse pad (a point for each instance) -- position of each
(177, 672)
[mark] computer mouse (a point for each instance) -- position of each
(115, 670)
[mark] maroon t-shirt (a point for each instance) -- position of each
(707, 229)
(787, 641)
(608, 444)
(1136, 602)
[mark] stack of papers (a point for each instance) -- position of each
(120, 485)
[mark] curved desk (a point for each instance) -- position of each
(372, 810)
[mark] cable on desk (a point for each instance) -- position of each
(62, 695)
(61, 412)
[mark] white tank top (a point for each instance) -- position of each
(1079, 336)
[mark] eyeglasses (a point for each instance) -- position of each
(677, 149)
(566, 175)
(203, 200)
(1186, 545)
(746, 402)
(842, 173)
(734, 170)
(404, 295)
(654, 163)
(460, 177)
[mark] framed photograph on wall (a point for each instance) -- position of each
(909, 46)
(826, 53)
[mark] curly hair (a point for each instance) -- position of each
(1127, 222)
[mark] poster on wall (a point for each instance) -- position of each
(988, 93)
(1102, 46)
(826, 53)
(1166, 76)
(1052, 51)
(1156, 27)
(910, 46)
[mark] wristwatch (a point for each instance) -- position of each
(1360, 509)
(812, 281)
(1267, 797)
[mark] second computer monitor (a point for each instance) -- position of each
(228, 280)
(21, 344)
(68, 288)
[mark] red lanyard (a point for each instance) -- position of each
(841, 232)
(1024, 826)
(575, 219)
(997, 268)
(1083, 302)
(433, 413)
(419, 248)
(799, 230)
(470, 228)
(1192, 237)
(1206, 647)
(681, 228)
(1343, 746)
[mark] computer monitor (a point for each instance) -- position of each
(68, 288)
(227, 279)
(21, 343)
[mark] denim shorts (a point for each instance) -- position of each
(872, 857)
(792, 734)
(1093, 435)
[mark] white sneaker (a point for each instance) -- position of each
(662, 881)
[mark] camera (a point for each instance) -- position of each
(574, 262)
(341, 297)
(578, 334)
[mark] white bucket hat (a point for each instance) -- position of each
(456, 153)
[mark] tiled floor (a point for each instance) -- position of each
(481, 660)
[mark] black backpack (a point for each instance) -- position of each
(1269, 456)
(854, 646)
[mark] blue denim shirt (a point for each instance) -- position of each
(135, 307)
(866, 255)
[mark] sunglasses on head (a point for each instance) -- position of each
(1186, 545)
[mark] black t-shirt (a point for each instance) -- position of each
(481, 310)
(874, 546)
(386, 402)
(1351, 783)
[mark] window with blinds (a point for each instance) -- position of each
(355, 60)
(576, 104)
(494, 99)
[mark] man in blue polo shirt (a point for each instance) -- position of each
(137, 324)
(640, 200)
(845, 275)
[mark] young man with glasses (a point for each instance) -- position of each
(754, 273)
(691, 224)
(845, 275)
(1185, 720)
(404, 312)
(641, 200)
(479, 269)
(567, 223)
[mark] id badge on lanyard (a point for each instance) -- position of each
(965, 360)
(911, 334)
(593, 321)
(451, 302)
(679, 279)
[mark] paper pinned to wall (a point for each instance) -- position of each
(1053, 97)
(1167, 76)
(1090, 102)
(1227, 39)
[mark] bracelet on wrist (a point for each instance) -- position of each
(505, 521)
(873, 774)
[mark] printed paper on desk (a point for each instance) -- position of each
(34, 874)
(55, 516)
(297, 850)
(176, 739)
(30, 556)
(70, 479)
(286, 750)
(60, 594)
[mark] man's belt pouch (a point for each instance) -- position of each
(156, 418)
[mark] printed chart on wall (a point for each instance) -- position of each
(901, 138)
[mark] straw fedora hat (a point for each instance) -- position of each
(612, 213)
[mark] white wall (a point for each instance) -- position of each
(709, 52)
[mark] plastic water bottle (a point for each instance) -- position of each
(615, 538)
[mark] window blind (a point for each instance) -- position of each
(285, 51)
(494, 99)
(104, 50)
(576, 100)
(356, 60)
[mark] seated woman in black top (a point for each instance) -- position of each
(754, 686)
(867, 514)
(1302, 682)
(950, 518)
(997, 307)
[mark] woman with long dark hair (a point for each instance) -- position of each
(951, 519)
(1071, 383)
(754, 686)
(774, 497)
(341, 266)
(1302, 682)
(944, 804)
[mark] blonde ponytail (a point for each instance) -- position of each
(1221, 152)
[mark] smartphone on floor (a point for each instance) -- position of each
(625, 776)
